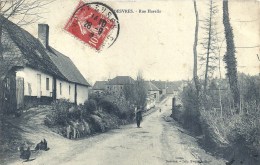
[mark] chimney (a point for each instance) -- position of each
(43, 34)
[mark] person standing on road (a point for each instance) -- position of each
(159, 111)
(138, 116)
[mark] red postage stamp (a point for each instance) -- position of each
(92, 24)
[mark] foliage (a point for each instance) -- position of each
(108, 105)
(98, 114)
(249, 86)
(74, 113)
(140, 90)
(191, 113)
(60, 111)
(210, 43)
(225, 129)
(90, 105)
(240, 132)
(136, 94)
(96, 96)
(141, 93)
(229, 58)
(129, 93)
(97, 123)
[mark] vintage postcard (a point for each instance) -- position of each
(129, 82)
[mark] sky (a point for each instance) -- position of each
(159, 44)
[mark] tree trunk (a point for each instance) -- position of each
(208, 48)
(229, 58)
(1, 50)
(1, 82)
(195, 65)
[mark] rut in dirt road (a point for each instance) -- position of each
(157, 142)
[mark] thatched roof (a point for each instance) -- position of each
(67, 67)
(20, 48)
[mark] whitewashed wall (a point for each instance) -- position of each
(150, 102)
(157, 95)
(64, 93)
(82, 94)
(67, 89)
(163, 91)
(31, 82)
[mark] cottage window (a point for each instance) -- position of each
(69, 89)
(60, 89)
(7, 84)
(47, 84)
(29, 89)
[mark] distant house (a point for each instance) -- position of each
(162, 85)
(99, 87)
(173, 87)
(35, 72)
(116, 85)
(169, 90)
(153, 95)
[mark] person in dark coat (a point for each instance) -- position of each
(138, 117)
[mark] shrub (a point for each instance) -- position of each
(191, 115)
(215, 129)
(239, 132)
(74, 113)
(214, 114)
(110, 120)
(74, 121)
(96, 96)
(97, 123)
(245, 130)
(108, 106)
(60, 111)
(90, 106)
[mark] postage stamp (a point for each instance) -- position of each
(96, 24)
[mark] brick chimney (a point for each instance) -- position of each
(43, 34)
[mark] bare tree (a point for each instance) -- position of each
(230, 58)
(140, 90)
(129, 93)
(136, 93)
(209, 43)
(195, 57)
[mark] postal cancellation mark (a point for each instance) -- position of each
(96, 24)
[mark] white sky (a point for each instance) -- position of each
(158, 44)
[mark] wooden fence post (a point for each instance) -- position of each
(173, 105)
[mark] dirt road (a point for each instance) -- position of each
(157, 142)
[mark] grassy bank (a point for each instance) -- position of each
(220, 127)
(98, 114)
